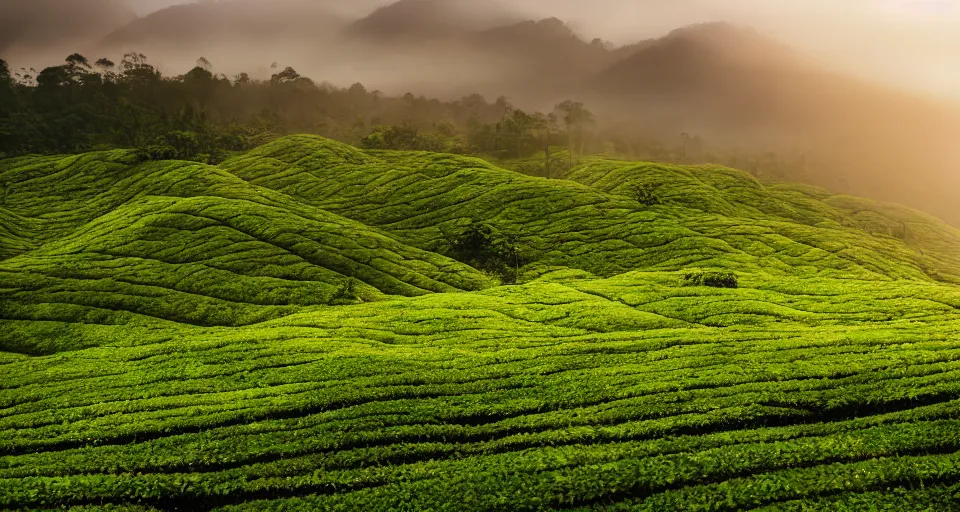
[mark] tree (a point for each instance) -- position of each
(712, 279)
(485, 247)
(241, 80)
(105, 64)
(198, 74)
(645, 194)
(357, 90)
(544, 126)
(601, 44)
(576, 118)
(204, 64)
(133, 61)
(78, 61)
(288, 75)
(8, 103)
(400, 137)
(82, 104)
(518, 122)
(684, 146)
(201, 83)
(76, 70)
(136, 71)
(502, 106)
(54, 77)
(5, 77)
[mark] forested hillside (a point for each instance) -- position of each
(313, 326)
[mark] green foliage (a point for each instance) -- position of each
(155, 152)
(712, 279)
(78, 106)
(645, 194)
(408, 137)
(5, 78)
(345, 293)
(485, 247)
(192, 146)
(176, 335)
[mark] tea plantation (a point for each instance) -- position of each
(291, 330)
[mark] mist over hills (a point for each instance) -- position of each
(187, 25)
(728, 83)
(40, 26)
(430, 19)
(244, 282)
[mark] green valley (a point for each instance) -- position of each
(295, 329)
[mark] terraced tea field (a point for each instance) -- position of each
(289, 331)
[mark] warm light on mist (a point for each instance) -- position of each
(840, 105)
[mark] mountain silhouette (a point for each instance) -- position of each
(430, 19)
(58, 24)
(249, 21)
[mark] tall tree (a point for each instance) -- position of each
(204, 64)
(78, 61)
(136, 71)
(5, 77)
(685, 146)
(544, 125)
(577, 119)
(519, 122)
(288, 75)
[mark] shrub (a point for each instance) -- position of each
(344, 294)
(484, 247)
(182, 145)
(644, 194)
(409, 137)
(712, 279)
(155, 152)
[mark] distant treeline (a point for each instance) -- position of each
(201, 115)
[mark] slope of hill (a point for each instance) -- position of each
(196, 26)
(544, 56)
(421, 197)
(430, 19)
(190, 243)
(135, 380)
(739, 88)
(39, 27)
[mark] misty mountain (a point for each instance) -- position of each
(705, 69)
(38, 25)
(724, 77)
(238, 21)
(727, 83)
(425, 20)
(546, 53)
(699, 57)
(738, 87)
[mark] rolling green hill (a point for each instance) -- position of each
(290, 330)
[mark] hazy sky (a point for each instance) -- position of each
(912, 43)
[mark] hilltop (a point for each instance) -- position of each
(303, 220)
(294, 328)
(430, 19)
(203, 25)
(48, 26)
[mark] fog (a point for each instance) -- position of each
(913, 44)
(869, 88)
(905, 43)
